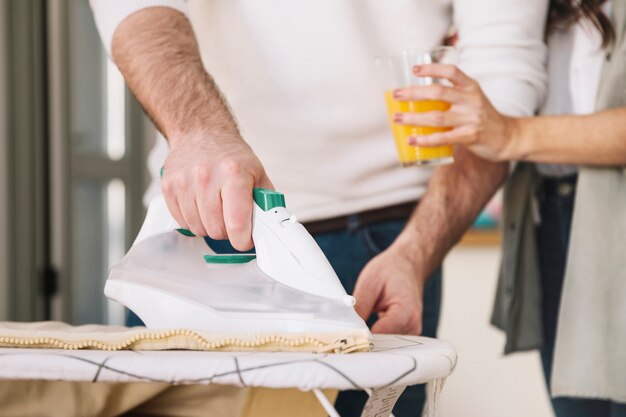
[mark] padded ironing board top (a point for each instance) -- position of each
(394, 361)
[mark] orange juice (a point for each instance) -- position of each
(412, 155)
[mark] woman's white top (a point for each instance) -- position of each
(575, 62)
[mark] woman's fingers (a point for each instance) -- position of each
(472, 120)
(449, 72)
(463, 135)
(432, 92)
(450, 118)
(454, 95)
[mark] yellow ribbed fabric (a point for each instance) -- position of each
(57, 335)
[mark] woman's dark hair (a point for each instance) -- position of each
(564, 13)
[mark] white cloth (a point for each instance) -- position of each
(300, 78)
(575, 60)
(394, 361)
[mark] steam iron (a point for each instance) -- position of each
(286, 297)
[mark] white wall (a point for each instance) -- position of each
(485, 383)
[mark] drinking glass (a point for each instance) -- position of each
(396, 71)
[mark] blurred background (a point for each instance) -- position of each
(73, 155)
(73, 164)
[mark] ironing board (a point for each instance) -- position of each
(394, 363)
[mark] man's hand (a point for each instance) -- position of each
(210, 171)
(207, 184)
(391, 286)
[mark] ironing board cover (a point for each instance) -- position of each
(394, 361)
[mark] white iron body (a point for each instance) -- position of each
(289, 288)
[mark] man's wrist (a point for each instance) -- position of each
(211, 135)
(407, 245)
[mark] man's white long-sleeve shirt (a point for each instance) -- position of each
(300, 79)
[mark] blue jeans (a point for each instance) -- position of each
(348, 251)
(556, 206)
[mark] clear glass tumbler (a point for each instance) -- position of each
(396, 71)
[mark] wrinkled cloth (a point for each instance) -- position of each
(53, 334)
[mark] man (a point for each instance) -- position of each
(298, 77)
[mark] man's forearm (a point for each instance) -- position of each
(156, 51)
(456, 193)
(210, 171)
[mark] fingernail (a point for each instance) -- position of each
(397, 117)
(411, 140)
(397, 94)
(417, 68)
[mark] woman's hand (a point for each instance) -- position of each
(473, 121)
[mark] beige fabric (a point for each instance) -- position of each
(81, 399)
(53, 334)
(51, 399)
(267, 402)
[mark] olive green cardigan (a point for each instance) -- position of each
(590, 353)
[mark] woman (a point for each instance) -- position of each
(562, 268)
